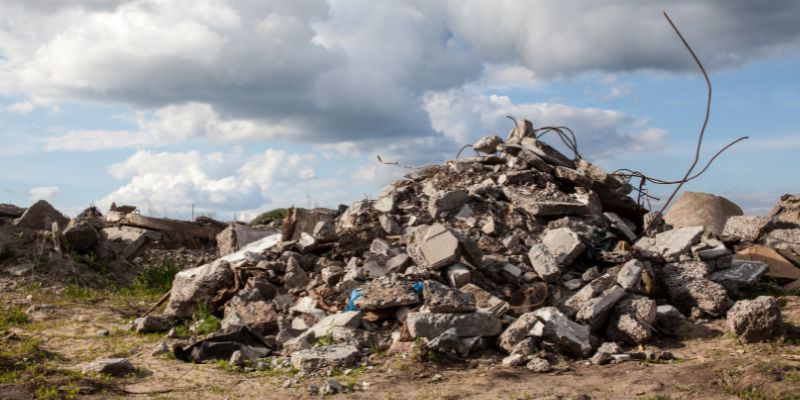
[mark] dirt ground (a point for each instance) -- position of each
(53, 344)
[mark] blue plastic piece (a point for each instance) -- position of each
(351, 301)
(417, 287)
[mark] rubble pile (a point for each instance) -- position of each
(520, 250)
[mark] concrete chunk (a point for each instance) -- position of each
(746, 228)
(444, 299)
(439, 247)
(337, 355)
(458, 275)
(487, 144)
(564, 244)
(756, 320)
(741, 272)
(571, 337)
(597, 309)
(544, 263)
(630, 274)
(40, 216)
(431, 325)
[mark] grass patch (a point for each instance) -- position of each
(156, 280)
(147, 285)
(12, 316)
(7, 252)
(269, 216)
(90, 261)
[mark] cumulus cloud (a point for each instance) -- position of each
(173, 182)
(464, 115)
(329, 71)
(43, 192)
(22, 107)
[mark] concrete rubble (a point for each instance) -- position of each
(519, 250)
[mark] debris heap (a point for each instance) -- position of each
(520, 250)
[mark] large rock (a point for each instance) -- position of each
(40, 216)
(300, 220)
(756, 320)
(708, 210)
(337, 355)
(10, 210)
(431, 325)
(595, 312)
(197, 286)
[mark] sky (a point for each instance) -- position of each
(233, 107)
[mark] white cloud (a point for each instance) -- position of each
(43, 192)
(23, 107)
(464, 115)
(328, 71)
(171, 182)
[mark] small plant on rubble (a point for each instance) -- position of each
(203, 321)
(269, 216)
(156, 280)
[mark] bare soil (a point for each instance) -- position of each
(714, 367)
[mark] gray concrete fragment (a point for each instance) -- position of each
(674, 242)
(621, 225)
(458, 275)
(687, 287)
(564, 244)
(446, 201)
(630, 274)
(741, 272)
(571, 337)
(487, 144)
(430, 325)
(197, 285)
(486, 301)
(597, 309)
(384, 204)
(346, 319)
(384, 293)
(398, 263)
(746, 228)
(544, 263)
(151, 323)
(389, 225)
(324, 231)
(578, 300)
(633, 320)
(439, 247)
(440, 298)
(337, 355)
(756, 320)
(238, 235)
(518, 330)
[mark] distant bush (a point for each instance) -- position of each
(156, 280)
(271, 215)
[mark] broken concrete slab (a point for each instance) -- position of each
(81, 236)
(238, 235)
(431, 325)
(701, 209)
(779, 267)
(741, 272)
(571, 337)
(440, 298)
(630, 274)
(336, 355)
(385, 292)
(446, 201)
(197, 286)
(301, 220)
(756, 320)
(438, 246)
(127, 240)
(485, 301)
(458, 275)
(595, 312)
(564, 244)
(746, 228)
(544, 263)
(672, 243)
(151, 323)
(517, 330)
(40, 216)
(687, 287)
(632, 320)
(487, 144)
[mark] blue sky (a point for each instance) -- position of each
(239, 106)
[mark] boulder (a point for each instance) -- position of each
(197, 286)
(110, 366)
(564, 244)
(337, 355)
(756, 320)
(708, 210)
